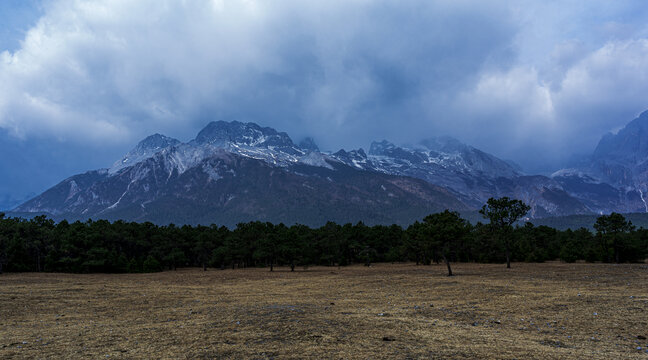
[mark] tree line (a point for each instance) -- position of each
(40, 244)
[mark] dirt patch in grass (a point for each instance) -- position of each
(552, 310)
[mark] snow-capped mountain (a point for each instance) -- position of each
(471, 174)
(144, 150)
(308, 144)
(616, 174)
(244, 139)
(235, 171)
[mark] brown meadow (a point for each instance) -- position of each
(400, 311)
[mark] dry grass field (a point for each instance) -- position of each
(548, 311)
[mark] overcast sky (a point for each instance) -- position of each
(81, 82)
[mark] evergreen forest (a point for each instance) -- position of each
(40, 244)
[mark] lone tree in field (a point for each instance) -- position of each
(503, 213)
(443, 231)
(613, 227)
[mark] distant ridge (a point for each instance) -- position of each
(236, 172)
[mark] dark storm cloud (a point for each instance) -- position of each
(526, 80)
(113, 70)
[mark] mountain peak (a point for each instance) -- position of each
(381, 147)
(144, 149)
(630, 144)
(220, 130)
(220, 133)
(156, 141)
(308, 144)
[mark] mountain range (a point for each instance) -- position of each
(236, 172)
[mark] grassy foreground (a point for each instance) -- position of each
(550, 311)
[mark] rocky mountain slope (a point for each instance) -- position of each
(471, 174)
(235, 171)
(615, 176)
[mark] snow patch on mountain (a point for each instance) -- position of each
(584, 176)
(212, 172)
(144, 150)
(316, 159)
(74, 189)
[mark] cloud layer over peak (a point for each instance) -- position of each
(521, 79)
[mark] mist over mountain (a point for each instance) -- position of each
(615, 176)
(82, 82)
(9, 202)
